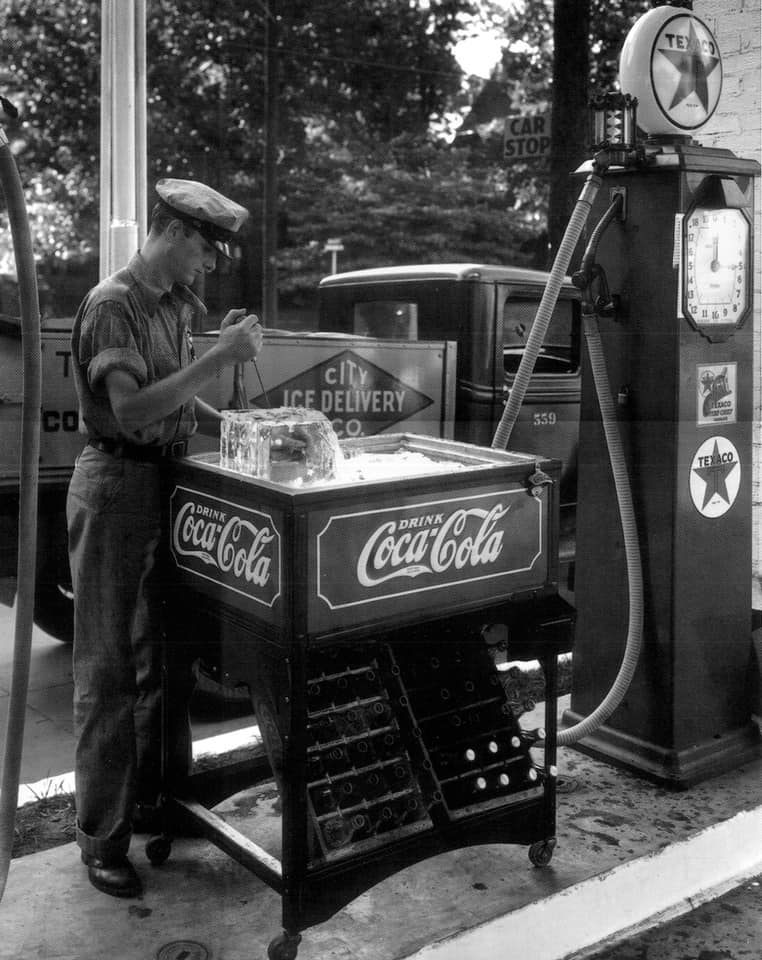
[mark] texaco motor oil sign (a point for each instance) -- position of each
(717, 393)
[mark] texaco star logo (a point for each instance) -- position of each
(686, 71)
(715, 477)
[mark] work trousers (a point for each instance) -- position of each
(114, 520)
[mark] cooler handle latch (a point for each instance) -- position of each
(538, 480)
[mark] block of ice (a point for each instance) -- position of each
(238, 440)
(292, 445)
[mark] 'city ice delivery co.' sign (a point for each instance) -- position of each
(359, 397)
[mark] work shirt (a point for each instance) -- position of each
(128, 322)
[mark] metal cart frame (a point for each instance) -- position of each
(276, 660)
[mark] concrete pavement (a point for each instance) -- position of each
(629, 854)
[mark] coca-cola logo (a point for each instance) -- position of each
(227, 543)
(430, 546)
(400, 548)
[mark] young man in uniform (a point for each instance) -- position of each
(137, 382)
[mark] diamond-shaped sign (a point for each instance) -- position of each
(358, 396)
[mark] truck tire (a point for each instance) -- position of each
(54, 609)
(53, 598)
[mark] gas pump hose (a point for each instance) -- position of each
(616, 454)
(28, 484)
(623, 493)
(547, 305)
(629, 533)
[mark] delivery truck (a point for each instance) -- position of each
(430, 349)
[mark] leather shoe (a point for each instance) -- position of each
(118, 878)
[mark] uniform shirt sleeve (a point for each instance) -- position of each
(108, 342)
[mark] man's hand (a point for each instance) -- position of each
(240, 340)
(233, 316)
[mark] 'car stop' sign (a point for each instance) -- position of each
(526, 137)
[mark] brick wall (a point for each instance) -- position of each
(737, 125)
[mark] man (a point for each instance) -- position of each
(137, 381)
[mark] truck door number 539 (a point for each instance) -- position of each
(545, 418)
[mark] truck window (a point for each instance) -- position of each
(386, 319)
(559, 353)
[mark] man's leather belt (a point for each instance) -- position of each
(135, 451)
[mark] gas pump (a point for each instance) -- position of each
(672, 280)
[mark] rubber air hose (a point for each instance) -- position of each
(28, 484)
(613, 440)
(631, 543)
(623, 494)
(545, 310)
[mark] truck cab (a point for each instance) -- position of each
(488, 311)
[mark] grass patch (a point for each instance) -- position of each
(48, 822)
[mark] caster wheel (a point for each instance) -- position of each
(158, 850)
(284, 947)
(541, 853)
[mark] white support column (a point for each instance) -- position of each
(123, 132)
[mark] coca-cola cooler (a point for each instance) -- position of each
(366, 619)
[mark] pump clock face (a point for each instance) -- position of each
(716, 267)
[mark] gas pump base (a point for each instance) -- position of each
(678, 769)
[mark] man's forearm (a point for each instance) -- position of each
(136, 407)
(208, 418)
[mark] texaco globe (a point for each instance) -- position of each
(671, 62)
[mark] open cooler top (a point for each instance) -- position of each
(385, 459)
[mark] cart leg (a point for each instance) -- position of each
(284, 946)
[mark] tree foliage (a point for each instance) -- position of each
(365, 90)
(373, 68)
(388, 208)
(556, 53)
(50, 58)
(610, 21)
(360, 73)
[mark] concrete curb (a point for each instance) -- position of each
(615, 904)
(218, 745)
